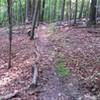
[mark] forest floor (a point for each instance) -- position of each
(80, 48)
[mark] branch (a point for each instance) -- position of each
(9, 96)
(34, 76)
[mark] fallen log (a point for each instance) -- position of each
(34, 76)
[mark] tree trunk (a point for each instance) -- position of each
(81, 11)
(33, 7)
(20, 12)
(42, 11)
(92, 20)
(70, 5)
(10, 29)
(54, 10)
(63, 9)
(38, 14)
(75, 11)
(28, 10)
(87, 9)
(34, 18)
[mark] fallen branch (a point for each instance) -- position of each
(34, 76)
(94, 31)
(9, 96)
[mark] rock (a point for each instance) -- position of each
(59, 94)
(88, 97)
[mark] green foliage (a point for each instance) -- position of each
(19, 10)
(60, 68)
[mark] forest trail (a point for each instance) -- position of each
(50, 85)
(62, 60)
(55, 88)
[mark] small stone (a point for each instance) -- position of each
(27, 62)
(88, 97)
(80, 98)
(2, 66)
(44, 89)
(59, 94)
(70, 84)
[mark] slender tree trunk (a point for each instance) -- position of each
(16, 13)
(10, 29)
(67, 10)
(87, 10)
(76, 4)
(20, 12)
(33, 7)
(98, 8)
(28, 10)
(39, 13)
(70, 7)
(63, 9)
(54, 9)
(42, 11)
(0, 15)
(93, 12)
(49, 11)
(34, 18)
(81, 11)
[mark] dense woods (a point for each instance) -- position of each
(49, 10)
(50, 50)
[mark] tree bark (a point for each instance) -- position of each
(63, 9)
(54, 10)
(34, 18)
(21, 12)
(92, 20)
(87, 10)
(10, 29)
(38, 14)
(33, 7)
(75, 12)
(42, 12)
(81, 11)
(70, 7)
(28, 10)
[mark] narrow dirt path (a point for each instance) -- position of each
(54, 88)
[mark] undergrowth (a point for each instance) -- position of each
(61, 70)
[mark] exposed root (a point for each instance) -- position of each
(9, 96)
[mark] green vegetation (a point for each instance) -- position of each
(61, 70)
(51, 11)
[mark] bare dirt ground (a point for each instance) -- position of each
(80, 49)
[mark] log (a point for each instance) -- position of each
(34, 76)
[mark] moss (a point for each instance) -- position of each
(61, 70)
